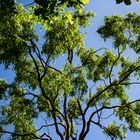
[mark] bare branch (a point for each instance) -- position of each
(125, 105)
(131, 83)
(83, 121)
(29, 4)
(108, 116)
(49, 125)
(50, 138)
(119, 54)
(38, 53)
(66, 119)
(56, 126)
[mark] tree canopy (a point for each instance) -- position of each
(72, 96)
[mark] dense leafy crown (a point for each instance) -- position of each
(87, 83)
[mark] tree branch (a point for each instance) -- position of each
(119, 54)
(83, 121)
(66, 119)
(22, 134)
(109, 86)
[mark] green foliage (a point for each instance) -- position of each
(127, 2)
(3, 86)
(124, 31)
(19, 112)
(115, 131)
(73, 109)
(16, 30)
(49, 9)
(7, 6)
(67, 93)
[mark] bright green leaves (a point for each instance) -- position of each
(26, 73)
(20, 111)
(134, 25)
(45, 9)
(83, 17)
(73, 108)
(15, 90)
(137, 107)
(86, 83)
(16, 31)
(112, 92)
(108, 96)
(115, 132)
(63, 35)
(88, 59)
(85, 1)
(98, 66)
(129, 68)
(61, 82)
(124, 31)
(130, 116)
(49, 9)
(115, 24)
(68, 17)
(43, 105)
(103, 65)
(18, 101)
(79, 84)
(129, 113)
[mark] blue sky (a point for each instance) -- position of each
(101, 8)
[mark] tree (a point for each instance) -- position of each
(70, 93)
